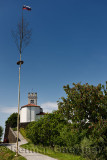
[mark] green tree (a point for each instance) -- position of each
(12, 120)
(46, 131)
(1, 132)
(84, 103)
(86, 106)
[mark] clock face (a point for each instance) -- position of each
(32, 101)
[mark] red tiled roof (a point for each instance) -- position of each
(30, 105)
(41, 113)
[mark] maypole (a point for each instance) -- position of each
(20, 62)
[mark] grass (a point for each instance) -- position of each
(6, 154)
(14, 129)
(23, 133)
(48, 151)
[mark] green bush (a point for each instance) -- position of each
(46, 131)
(69, 136)
(99, 139)
(95, 147)
(86, 148)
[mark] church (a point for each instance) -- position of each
(31, 111)
(28, 113)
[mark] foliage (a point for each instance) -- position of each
(80, 124)
(23, 133)
(12, 120)
(46, 131)
(1, 132)
(99, 139)
(86, 106)
(86, 148)
(84, 103)
(69, 136)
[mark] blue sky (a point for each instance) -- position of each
(69, 44)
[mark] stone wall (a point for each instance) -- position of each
(10, 136)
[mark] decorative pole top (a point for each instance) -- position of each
(20, 62)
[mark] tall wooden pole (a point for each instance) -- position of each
(19, 63)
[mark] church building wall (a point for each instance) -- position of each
(28, 114)
(31, 111)
(23, 115)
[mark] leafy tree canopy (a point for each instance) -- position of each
(12, 120)
(84, 103)
(46, 131)
(1, 132)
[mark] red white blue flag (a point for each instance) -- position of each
(27, 8)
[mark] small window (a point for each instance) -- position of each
(32, 101)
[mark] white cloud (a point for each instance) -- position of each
(49, 106)
(8, 109)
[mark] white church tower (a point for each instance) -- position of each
(31, 111)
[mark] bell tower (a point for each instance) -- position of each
(32, 98)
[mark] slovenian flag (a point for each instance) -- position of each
(27, 8)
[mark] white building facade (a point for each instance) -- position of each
(31, 111)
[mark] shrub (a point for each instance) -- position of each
(69, 136)
(95, 147)
(46, 131)
(99, 139)
(86, 148)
